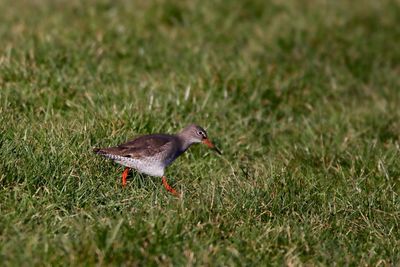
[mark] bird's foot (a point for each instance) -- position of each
(169, 188)
(124, 176)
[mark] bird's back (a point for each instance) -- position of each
(149, 154)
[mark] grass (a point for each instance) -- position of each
(302, 96)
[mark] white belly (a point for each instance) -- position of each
(147, 166)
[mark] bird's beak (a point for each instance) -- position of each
(207, 142)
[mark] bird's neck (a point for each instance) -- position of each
(184, 142)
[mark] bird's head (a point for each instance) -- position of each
(196, 134)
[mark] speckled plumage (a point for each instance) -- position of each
(151, 154)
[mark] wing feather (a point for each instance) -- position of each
(143, 146)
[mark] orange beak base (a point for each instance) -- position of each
(211, 145)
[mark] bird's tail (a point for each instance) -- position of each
(103, 152)
(97, 150)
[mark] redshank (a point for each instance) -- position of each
(151, 154)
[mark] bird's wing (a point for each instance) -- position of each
(143, 146)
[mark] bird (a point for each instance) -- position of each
(151, 154)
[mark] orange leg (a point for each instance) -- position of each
(124, 175)
(169, 188)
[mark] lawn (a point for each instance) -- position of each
(301, 96)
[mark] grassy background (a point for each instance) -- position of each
(302, 96)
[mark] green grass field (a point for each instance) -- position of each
(302, 96)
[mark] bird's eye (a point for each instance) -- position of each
(202, 134)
